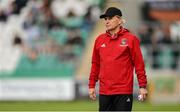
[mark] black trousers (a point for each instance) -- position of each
(122, 102)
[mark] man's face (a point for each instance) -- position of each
(112, 23)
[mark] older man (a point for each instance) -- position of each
(115, 55)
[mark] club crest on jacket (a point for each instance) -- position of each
(123, 42)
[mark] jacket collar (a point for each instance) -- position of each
(120, 32)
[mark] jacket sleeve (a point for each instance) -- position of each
(93, 78)
(138, 62)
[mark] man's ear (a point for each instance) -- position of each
(120, 21)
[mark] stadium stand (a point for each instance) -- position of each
(48, 39)
(59, 34)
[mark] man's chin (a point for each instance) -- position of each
(109, 29)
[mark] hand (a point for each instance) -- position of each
(92, 93)
(143, 92)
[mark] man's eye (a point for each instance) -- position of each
(108, 18)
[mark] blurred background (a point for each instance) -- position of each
(46, 46)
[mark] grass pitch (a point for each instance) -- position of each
(78, 105)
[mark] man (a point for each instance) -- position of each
(116, 53)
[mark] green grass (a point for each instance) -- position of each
(79, 105)
(142, 106)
